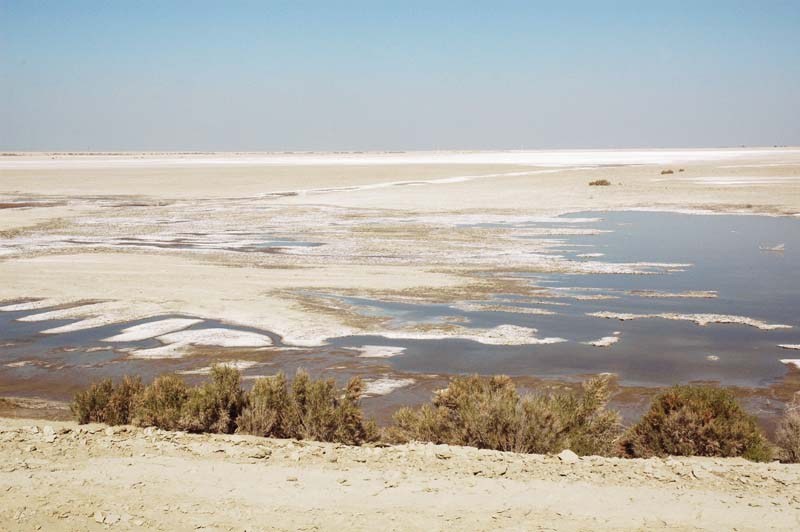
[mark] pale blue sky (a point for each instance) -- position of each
(397, 75)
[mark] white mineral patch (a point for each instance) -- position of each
(789, 346)
(239, 365)
(20, 364)
(89, 323)
(385, 386)
(177, 343)
(80, 311)
(700, 319)
(380, 351)
(590, 255)
(605, 341)
(712, 358)
(479, 307)
(792, 362)
(31, 305)
(689, 294)
(152, 329)
(500, 335)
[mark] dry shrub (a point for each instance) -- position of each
(312, 409)
(161, 403)
(489, 413)
(696, 421)
(667, 172)
(600, 183)
(787, 436)
(214, 406)
(268, 410)
(105, 402)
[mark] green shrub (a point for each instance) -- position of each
(161, 403)
(787, 436)
(214, 406)
(489, 413)
(696, 421)
(312, 409)
(104, 402)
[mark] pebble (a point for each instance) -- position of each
(568, 457)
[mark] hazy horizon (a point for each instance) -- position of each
(310, 76)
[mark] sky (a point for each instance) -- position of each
(404, 75)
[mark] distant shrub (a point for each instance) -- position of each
(667, 172)
(214, 406)
(600, 183)
(104, 402)
(696, 421)
(787, 436)
(489, 413)
(161, 403)
(312, 409)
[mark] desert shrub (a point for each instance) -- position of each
(600, 183)
(667, 172)
(312, 409)
(268, 410)
(161, 403)
(105, 402)
(787, 435)
(489, 413)
(214, 406)
(696, 421)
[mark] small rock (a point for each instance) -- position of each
(568, 457)
(260, 453)
(49, 434)
(112, 519)
(109, 431)
(291, 479)
(98, 517)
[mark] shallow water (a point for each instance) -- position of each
(725, 253)
(726, 256)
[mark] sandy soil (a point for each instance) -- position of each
(59, 476)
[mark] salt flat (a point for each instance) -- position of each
(271, 241)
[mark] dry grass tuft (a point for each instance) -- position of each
(489, 413)
(600, 183)
(696, 421)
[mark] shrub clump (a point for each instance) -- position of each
(105, 402)
(668, 171)
(161, 404)
(489, 413)
(214, 406)
(310, 409)
(600, 183)
(696, 421)
(787, 436)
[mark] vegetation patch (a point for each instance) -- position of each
(489, 413)
(600, 183)
(696, 421)
(787, 436)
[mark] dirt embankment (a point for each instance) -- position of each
(61, 476)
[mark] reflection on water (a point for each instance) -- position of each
(732, 257)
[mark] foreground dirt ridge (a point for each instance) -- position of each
(61, 476)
